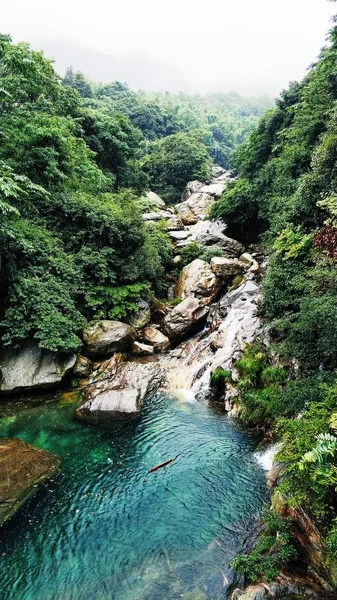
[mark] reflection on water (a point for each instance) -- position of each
(106, 529)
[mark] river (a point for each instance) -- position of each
(105, 528)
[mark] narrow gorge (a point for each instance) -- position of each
(172, 533)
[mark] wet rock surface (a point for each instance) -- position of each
(185, 318)
(118, 388)
(23, 469)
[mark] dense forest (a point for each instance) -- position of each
(286, 196)
(75, 159)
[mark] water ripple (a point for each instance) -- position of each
(108, 529)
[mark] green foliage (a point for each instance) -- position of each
(175, 160)
(190, 252)
(274, 550)
(71, 251)
(221, 376)
(115, 302)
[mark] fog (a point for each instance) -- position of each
(253, 47)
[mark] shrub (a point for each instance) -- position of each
(274, 550)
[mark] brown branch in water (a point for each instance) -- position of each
(164, 464)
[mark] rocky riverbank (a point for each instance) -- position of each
(177, 345)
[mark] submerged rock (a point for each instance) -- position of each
(198, 280)
(156, 338)
(31, 367)
(185, 318)
(118, 388)
(108, 337)
(23, 469)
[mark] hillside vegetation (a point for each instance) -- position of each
(74, 160)
(287, 197)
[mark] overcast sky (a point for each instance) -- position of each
(252, 46)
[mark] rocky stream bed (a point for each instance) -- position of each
(104, 526)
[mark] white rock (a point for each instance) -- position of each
(31, 367)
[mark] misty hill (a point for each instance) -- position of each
(140, 73)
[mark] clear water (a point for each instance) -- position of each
(105, 529)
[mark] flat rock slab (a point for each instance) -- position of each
(118, 388)
(23, 469)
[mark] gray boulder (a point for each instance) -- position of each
(108, 337)
(156, 338)
(142, 316)
(214, 237)
(226, 268)
(118, 389)
(198, 280)
(155, 200)
(161, 215)
(31, 367)
(253, 265)
(179, 235)
(195, 208)
(214, 189)
(185, 318)
(191, 188)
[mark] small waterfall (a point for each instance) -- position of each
(265, 457)
(190, 365)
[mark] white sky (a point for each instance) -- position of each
(252, 45)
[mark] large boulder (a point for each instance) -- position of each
(253, 265)
(191, 188)
(155, 200)
(195, 208)
(108, 337)
(161, 215)
(185, 318)
(214, 189)
(174, 223)
(220, 174)
(118, 389)
(177, 236)
(214, 237)
(226, 268)
(156, 338)
(31, 367)
(198, 280)
(23, 469)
